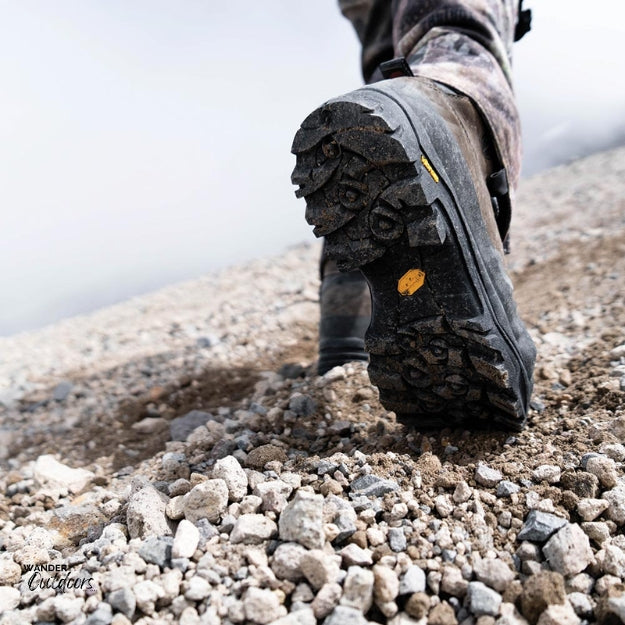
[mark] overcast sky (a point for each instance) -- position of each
(147, 142)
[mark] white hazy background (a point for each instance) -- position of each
(146, 142)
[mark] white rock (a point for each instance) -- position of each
(305, 616)
(358, 589)
(483, 600)
(444, 505)
(326, 600)
(189, 616)
(320, 568)
(581, 604)
(175, 508)
(614, 451)
(547, 472)
(453, 583)
(252, 529)
(613, 561)
(67, 608)
(262, 606)
(493, 573)
(208, 500)
(145, 514)
(9, 598)
(590, 509)
(250, 504)
(556, 614)
(147, 593)
(486, 476)
(352, 554)
(604, 469)
(198, 589)
(616, 504)
(597, 531)
(618, 351)
(10, 572)
(50, 472)
(186, 540)
(285, 562)
(170, 583)
(386, 584)
(568, 550)
(345, 615)
(230, 471)
(413, 580)
(375, 536)
(302, 520)
(462, 492)
(510, 615)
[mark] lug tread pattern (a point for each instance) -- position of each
(436, 356)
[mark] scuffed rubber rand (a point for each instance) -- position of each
(388, 187)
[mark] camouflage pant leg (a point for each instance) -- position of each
(465, 44)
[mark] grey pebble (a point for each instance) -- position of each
(302, 405)
(486, 476)
(62, 390)
(102, 615)
(123, 600)
(181, 427)
(371, 485)
(397, 539)
(483, 600)
(540, 526)
(506, 488)
(157, 550)
(344, 615)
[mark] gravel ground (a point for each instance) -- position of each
(174, 458)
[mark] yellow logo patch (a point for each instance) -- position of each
(411, 282)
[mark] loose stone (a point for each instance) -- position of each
(483, 600)
(286, 560)
(181, 427)
(326, 600)
(486, 476)
(507, 489)
(412, 581)
(352, 554)
(568, 551)
(252, 529)
(386, 584)
(208, 500)
(50, 472)
(302, 520)
(358, 589)
(540, 526)
(590, 509)
(547, 472)
(186, 540)
(604, 469)
(230, 471)
(145, 514)
(493, 573)
(262, 606)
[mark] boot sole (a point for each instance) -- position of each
(388, 187)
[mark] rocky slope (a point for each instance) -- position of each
(174, 459)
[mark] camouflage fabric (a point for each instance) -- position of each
(465, 44)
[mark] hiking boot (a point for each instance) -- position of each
(345, 305)
(394, 177)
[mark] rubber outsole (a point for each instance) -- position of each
(386, 184)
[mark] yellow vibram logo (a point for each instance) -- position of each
(429, 167)
(411, 282)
